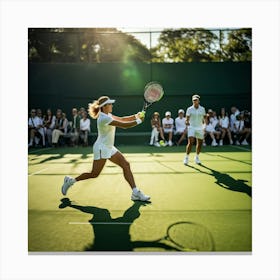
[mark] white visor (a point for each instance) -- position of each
(108, 101)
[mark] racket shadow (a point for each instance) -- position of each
(183, 236)
(112, 234)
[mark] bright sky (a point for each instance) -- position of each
(147, 36)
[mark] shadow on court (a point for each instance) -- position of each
(226, 181)
(112, 234)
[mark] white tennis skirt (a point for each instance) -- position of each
(100, 151)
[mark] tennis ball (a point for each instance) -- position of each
(142, 114)
(161, 142)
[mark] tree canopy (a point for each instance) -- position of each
(97, 45)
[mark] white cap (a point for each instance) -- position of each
(108, 101)
(181, 111)
(167, 113)
(195, 97)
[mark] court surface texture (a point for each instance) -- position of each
(215, 196)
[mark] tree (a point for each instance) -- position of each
(190, 45)
(237, 46)
(89, 45)
(185, 45)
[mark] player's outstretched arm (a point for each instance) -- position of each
(126, 124)
(129, 118)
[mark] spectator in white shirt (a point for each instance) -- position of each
(33, 127)
(234, 112)
(41, 128)
(224, 125)
(168, 125)
(210, 130)
(180, 126)
(243, 128)
(84, 128)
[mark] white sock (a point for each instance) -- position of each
(135, 190)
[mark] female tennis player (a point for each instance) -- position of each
(103, 147)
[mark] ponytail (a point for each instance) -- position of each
(94, 109)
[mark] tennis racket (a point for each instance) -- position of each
(189, 237)
(153, 92)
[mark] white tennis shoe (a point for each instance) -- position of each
(196, 159)
(139, 196)
(68, 182)
(186, 160)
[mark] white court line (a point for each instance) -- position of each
(97, 223)
(37, 172)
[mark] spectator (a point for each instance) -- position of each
(214, 120)
(60, 127)
(180, 127)
(168, 124)
(234, 112)
(75, 127)
(49, 123)
(40, 127)
(33, 123)
(245, 127)
(224, 125)
(84, 128)
(210, 130)
(156, 129)
(81, 111)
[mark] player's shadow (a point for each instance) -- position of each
(112, 234)
(226, 181)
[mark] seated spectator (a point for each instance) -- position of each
(244, 129)
(209, 130)
(224, 125)
(49, 122)
(40, 127)
(214, 120)
(33, 127)
(156, 130)
(60, 127)
(75, 127)
(234, 112)
(167, 125)
(84, 128)
(180, 127)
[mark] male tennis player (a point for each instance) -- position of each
(104, 148)
(195, 116)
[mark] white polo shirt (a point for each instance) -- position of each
(180, 124)
(167, 125)
(196, 116)
(224, 122)
(85, 124)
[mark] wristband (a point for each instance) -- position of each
(138, 121)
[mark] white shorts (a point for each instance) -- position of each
(195, 132)
(100, 152)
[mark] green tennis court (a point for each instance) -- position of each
(214, 199)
